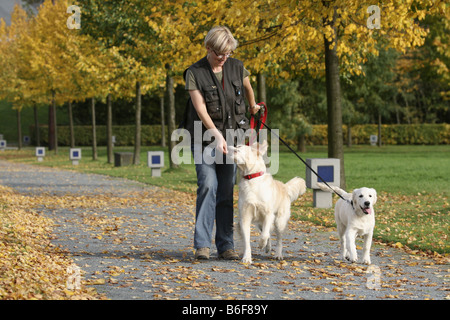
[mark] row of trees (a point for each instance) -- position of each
(128, 48)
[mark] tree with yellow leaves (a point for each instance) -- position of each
(284, 37)
(48, 63)
(120, 26)
(15, 75)
(72, 65)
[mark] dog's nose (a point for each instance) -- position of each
(367, 203)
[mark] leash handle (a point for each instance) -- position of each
(259, 122)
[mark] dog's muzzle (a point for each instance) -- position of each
(366, 210)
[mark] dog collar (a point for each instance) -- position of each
(254, 175)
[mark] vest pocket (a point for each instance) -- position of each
(213, 103)
(239, 97)
(240, 106)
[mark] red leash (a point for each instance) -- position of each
(257, 124)
(262, 117)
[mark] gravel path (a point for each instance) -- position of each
(134, 241)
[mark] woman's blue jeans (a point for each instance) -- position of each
(215, 183)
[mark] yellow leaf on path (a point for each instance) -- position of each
(97, 282)
(69, 293)
(398, 245)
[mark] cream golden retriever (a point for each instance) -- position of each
(262, 199)
(354, 216)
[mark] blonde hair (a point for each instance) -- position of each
(221, 40)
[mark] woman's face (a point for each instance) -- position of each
(218, 58)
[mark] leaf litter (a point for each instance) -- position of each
(139, 245)
(31, 267)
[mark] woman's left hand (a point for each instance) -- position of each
(254, 109)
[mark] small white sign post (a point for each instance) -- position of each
(75, 155)
(155, 160)
(40, 153)
(330, 170)
(373, 139)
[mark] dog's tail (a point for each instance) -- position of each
(338, 190)
(295, 188)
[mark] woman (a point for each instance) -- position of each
(217, 86)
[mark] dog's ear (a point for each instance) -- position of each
(374, 196)
(355, 194)
(262, 148)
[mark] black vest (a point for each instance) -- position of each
(225, 101)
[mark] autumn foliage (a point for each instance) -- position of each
(30, 266)
(41, 56)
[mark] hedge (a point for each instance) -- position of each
(422, 134)
(150, 135)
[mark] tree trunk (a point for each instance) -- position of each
(171, 101)
(52, 130)
(262, 88)
(55, 124)
(36, 127)
(163, 122)
(51, 125)
(334, 107)
(137, 138)
(94, 134)
(72, 134)
(349, 135)
(109, 145)
(301, 144)
(379, 128)
(19, 129)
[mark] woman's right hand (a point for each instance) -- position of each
(221, 144)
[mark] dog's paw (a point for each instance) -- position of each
(264, 243)
(269, 246)
(279, 256)
(246, 260)
(366, 260)
(266, 248)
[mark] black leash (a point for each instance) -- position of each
(263, 105)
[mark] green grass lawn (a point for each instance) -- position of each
(412, 183)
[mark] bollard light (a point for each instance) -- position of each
(155, 160)
(329, 169)
(75, 155)
(2, 145)
(40, 153)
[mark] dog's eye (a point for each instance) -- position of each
(370, 195)
(360, 195)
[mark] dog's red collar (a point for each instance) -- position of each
(254, 175)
